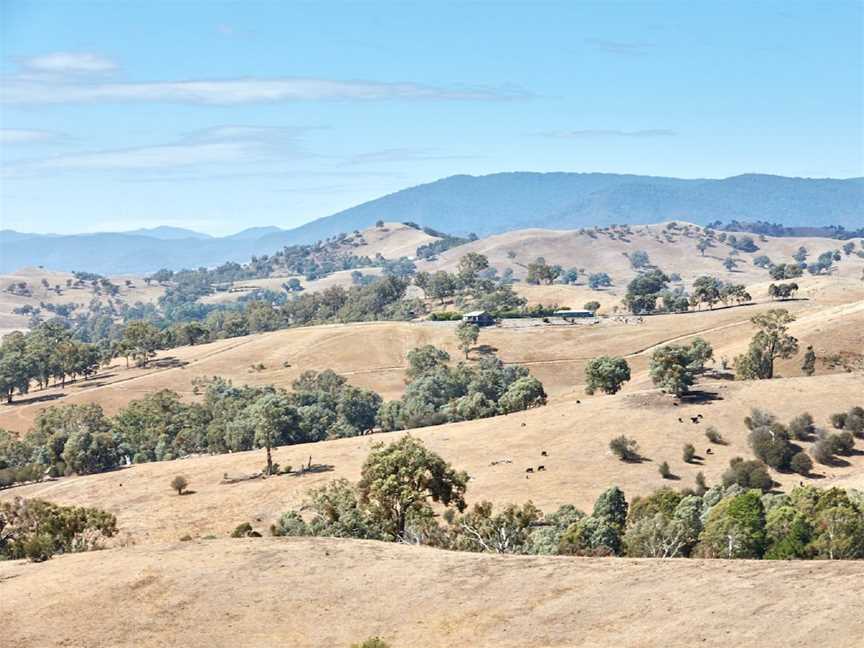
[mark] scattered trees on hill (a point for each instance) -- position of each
(771, 341)
(606, 373)
(159, 427)
(736, 520)
(782, 291)
(785, 271)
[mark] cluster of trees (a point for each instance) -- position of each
(48, 352)
(540, 272)
(431, 250)
(437, 392)
(399, 483)
(782, 291)
(649, 293)
(673, 367)
(160, 427)
(37, 530)
(475, 284)
(776, 229)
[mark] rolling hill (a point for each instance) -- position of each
(460, 204)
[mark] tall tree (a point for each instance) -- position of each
(771, 341)
(399, 480)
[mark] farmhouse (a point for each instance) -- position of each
(573, 314)
(480, 318)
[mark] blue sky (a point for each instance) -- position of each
(224, 115)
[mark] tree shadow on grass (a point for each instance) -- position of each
(314, 468)
(700, 397)
(35, 399)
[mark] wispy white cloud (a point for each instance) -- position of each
(69, 63)
(219, 145)
(26, 136)
(19, 90)
(608, 133)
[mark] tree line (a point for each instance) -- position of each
(81, 439)
(400, 482)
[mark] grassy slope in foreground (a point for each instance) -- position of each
(328, 592)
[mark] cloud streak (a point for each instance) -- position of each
(598, 133)
(219, 145)
(69, 63)
(26, 136)
(241, 91)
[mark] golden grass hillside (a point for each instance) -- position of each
(373, 355)
(313, 593)
(10, 321)
(604, 253)
(574, 434)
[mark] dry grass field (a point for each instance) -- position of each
(372, 355)
(570, 249)
(326, 593)
(139, 291)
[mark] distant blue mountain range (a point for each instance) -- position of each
(461, 204)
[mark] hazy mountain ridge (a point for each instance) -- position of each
(460, 204)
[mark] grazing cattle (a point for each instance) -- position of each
(529, 470)
(709, 451)
(578, 402)
(680, 420)
(523, 424)
(699, 416)
(539, 468)
(543, 453)
(695, 419)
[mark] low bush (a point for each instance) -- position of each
(688, 453)
(747, 474)
(801, 463)
(714, 436)
(36, 529)
(624, 448)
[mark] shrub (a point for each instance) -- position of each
(179, 483)
(245, 530)
(842, 442)
(701, 486)
(372, 642)
(664, 470)
(801, 427)
(37, 530)
(625, 449)
(714, 436)
(688, 453)
(801, 463)
(747, 474)
(838, 420)
(771, 445)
